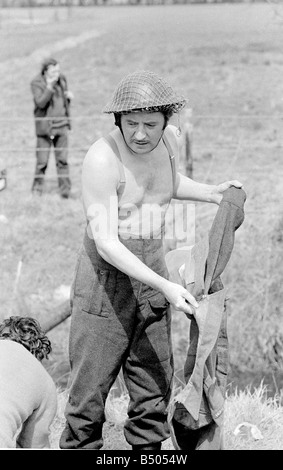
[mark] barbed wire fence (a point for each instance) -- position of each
(79, 146)
(193, 149)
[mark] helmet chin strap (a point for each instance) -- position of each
(179, 130)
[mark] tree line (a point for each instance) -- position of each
(39, 3)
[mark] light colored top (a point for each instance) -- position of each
(28, 398)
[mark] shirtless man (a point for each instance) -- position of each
(121, 292)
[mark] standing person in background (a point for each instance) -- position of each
(52, 123)
(28, 396)
(121, 292)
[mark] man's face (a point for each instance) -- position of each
(53, 72)
(142, 131)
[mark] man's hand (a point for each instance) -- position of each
(52, 77)
(220, 188)
(51, 81)
(69, 95)
(179, 298)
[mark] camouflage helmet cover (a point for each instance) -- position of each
(143, 90)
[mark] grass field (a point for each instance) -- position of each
(251, 422)
(227, 59)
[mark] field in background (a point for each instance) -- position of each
(227, 59)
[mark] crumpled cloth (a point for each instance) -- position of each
(201, 402)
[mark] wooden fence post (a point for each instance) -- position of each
(187, 129)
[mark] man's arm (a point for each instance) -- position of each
(187, 189)
(41, 96)
(100, 178)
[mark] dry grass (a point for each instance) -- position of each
(252, 408)
(256, 409)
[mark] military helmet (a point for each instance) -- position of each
(144, 91)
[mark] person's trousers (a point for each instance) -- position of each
(118, 322)
(59, 141)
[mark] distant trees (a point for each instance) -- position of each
(39, 3)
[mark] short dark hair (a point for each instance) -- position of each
(46, 63)
(26, 331)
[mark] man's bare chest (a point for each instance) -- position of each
(148, 182)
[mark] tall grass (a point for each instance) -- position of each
(245, 409)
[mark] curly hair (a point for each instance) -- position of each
(26, 331)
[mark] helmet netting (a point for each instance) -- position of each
(144, 91)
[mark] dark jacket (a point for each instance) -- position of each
(201, 402)
(43, 97)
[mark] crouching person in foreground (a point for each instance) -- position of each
(28, 396)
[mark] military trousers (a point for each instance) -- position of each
(118, 324)
(59, 141)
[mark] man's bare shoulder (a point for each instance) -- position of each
(98, 152)
(100, 156)
(100, 171)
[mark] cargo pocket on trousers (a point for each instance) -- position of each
(158, 328)
(94, 290)
(103, 293)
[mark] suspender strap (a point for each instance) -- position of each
(112, 143)
(172, 159)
